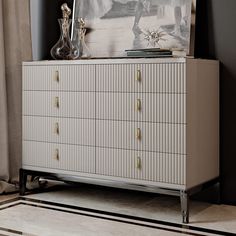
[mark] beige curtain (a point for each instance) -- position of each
(15, 47)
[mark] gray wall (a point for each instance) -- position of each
(36, 28)
(45, 28)
(216, 38)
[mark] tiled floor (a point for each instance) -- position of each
(8, 196)
(43, 221)
(65, 210)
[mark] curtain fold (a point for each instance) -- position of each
(15, 47)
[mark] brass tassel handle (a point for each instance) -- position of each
(138, 163)
(56, 76)
(138, 75)
(138, 105)
(138, 134)
(56, 128)
(56, 102)
(56, 154)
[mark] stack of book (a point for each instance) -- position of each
(149, 52)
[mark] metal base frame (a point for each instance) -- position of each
(183, 194)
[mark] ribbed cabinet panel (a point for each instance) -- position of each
(70, 104)
(154, 78)
(71, 78)
(158, 107)
(70, 157)
(160, 167)
(94, 128)
(59, 130)
(156, 137)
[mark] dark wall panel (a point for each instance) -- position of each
(216, 38)
(50, 31)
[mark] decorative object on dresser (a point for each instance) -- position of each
(150, 52)
(116, 25)
(144, 124)
(64, 49)
(79, 39)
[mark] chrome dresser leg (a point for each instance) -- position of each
(184, 199)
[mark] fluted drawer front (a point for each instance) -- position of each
(68, 104)
(157, 137)
(150, 166)
(59, 77)
(59, 156)
(150, 107)
(162, 77)
(59, 130)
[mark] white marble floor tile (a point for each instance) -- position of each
(114, 200)
(31, 220)
(151, 206)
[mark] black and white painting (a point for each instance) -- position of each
(116, 25)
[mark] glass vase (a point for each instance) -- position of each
(64, 49)
(79, 40)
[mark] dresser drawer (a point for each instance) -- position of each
(59, 77)
(150, 166)
(59, 156)
(59, 130)
(156, 137)
(152, 78)
(150, 107)
(60, 104)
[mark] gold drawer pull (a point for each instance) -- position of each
(138, 133)
(138, 105)
(138, 163)
(138, 75)
(56, 154)
(56, 102)
(56, 76)
(56, 128)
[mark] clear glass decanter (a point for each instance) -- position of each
(79, 39)
(64, 49)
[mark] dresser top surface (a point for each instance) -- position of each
(107, 61)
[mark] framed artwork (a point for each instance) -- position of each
(114, 26)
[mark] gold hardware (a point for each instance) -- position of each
(138, 163)
(138, 105)
(56, 102)
(138, 76)
(56, 154)
(56, 76)
(56, 128)
(138, 133)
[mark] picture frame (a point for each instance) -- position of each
(114, 26)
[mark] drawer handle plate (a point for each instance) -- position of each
(138, 134)
(56, 102)
(56, 154)
(138, 75)
(138, 105)
(56, 128)
(56, 76)
(138, 163)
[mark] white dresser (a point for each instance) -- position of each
(148, 124)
